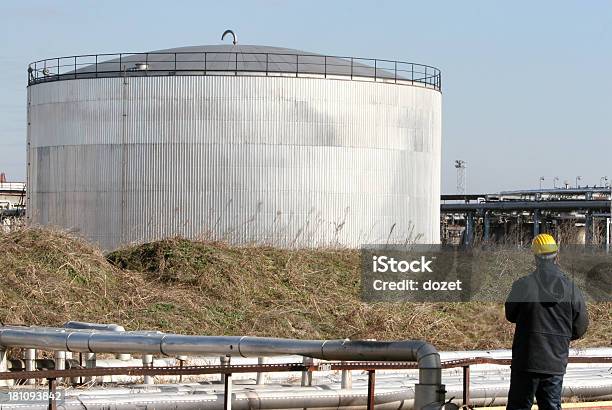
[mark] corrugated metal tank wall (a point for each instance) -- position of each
(284, 161)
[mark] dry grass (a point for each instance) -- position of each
(176, 285)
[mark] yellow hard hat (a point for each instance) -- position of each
(544, 244)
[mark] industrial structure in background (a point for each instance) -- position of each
(249, 144)
(12, 203)
(573, 215)
(460, 165)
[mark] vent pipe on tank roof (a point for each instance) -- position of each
(234, 36)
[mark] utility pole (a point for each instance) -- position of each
(578, 178)
(461, 176)
(601, 181)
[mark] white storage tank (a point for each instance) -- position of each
(249, 144)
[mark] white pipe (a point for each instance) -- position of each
(488, 387)
(347, 379)
(227, 394)
(147, 361)
(60, 362)
(260, 378)
(319, 398)
(30, 363)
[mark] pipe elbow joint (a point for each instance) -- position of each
(427, 357)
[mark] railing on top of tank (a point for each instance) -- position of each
(231, 63)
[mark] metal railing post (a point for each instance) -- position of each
(325, 68)
(227, 392)
(375, 69)
(90, 363)
(347, 379)
(260, 378)
(395, 75)
(307, 374)
(466, 385)
(181, 359)
(371, 389)
(4, 366)
(60, 360)
(30, 363)
(52, 393)
(147, 361)
(224, 361)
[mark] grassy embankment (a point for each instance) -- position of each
(175, 285)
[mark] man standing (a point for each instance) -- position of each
(549, 311)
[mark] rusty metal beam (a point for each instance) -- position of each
(254, 368)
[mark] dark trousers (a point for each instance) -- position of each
(525, 385)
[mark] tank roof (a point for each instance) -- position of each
(228, 59)
(224, 57)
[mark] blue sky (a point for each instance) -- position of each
(527, 84)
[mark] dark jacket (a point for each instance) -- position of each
(549, 311)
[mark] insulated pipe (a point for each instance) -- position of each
(429, 390)
(330, 399)
(320, 399)
(94, 326)
(98, 326)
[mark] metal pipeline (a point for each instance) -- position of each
(93, 326)
(97, 326)
(203, 397)
(428, 392)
